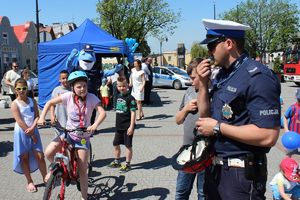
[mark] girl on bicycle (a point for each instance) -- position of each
(28, 149)
(80, 105)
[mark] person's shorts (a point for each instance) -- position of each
(121, 137)
(79, 144)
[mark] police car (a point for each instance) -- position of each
(170, 77)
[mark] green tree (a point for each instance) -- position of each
(274, 24)
(198, 51)
(137, 19)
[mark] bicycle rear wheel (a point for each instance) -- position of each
(54, 186)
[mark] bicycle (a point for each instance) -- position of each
(64, 169)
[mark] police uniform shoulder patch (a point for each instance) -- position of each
(253, 70)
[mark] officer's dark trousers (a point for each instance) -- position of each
(148, 87)
(223, 182)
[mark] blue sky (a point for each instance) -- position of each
(190, 28)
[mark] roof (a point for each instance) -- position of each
(21, 31)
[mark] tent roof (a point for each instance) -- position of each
(86, 33)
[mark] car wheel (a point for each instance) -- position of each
(177, 85)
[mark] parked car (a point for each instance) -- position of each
(33, 76)
(170, 77)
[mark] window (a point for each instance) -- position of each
(14, 57)
(156, 70)
(5, 58)
(169, 58)
(28, 62)
(166, 72)
(5, 38)
(29, 46)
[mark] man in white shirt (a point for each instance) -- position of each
(10, 79)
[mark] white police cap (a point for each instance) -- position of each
(223, 28)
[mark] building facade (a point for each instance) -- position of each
(9, 46)
(26, 35)
(171, 58)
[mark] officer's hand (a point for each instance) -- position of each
(191, 106)
(205, 126)
(203, 71)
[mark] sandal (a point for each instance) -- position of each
(31, 188)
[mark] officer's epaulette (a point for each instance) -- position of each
(253, 70)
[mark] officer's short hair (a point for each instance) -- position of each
(193, 64)
(240, 43)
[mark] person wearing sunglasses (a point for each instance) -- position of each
(28, 153)
(241, 112)
(10, 78)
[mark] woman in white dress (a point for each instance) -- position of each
(137, 82)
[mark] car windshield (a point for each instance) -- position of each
(177, 71)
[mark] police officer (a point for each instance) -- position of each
(241, 113)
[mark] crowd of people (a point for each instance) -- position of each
(237, 112)
(71, 106)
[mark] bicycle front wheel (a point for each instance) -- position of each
(54, 188)
(90, 160)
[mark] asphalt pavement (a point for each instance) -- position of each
(156, 139)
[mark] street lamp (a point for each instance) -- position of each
(162, 39)
(214, 9)
(37, 21)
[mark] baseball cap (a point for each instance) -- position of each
(298, 94)
(290, 169)
(88, 48)
(223, 28)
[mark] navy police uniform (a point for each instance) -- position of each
(245, 93)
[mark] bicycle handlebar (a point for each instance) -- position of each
(60, 128)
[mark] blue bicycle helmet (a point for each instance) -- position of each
(76, 76)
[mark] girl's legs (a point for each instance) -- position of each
(39, 156)
(52, 149)
(25, 166)
(82, 164)
(50, 152)
(140, 109)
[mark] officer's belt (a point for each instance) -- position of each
(230, 162)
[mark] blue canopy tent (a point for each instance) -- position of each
(52, 55)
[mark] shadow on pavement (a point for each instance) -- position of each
(7, 121)
(157, 163)
(6, 147)
(159, 116)
(111, 130)
(113, 187)
(7, 129)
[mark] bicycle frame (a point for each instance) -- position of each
(64, 168)
(66, 159)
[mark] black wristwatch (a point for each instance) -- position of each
(217, 130)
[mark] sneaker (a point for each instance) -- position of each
(125, 168)
(114, 164)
